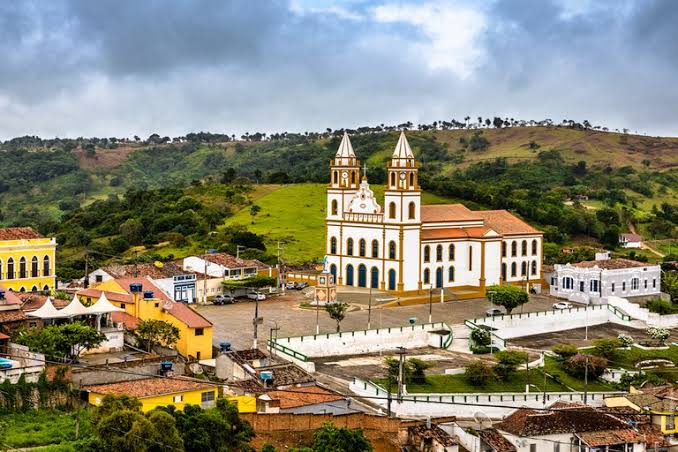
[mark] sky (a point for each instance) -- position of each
(109, 68)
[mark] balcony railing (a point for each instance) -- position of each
(364, 217)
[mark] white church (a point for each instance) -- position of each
(406, 246)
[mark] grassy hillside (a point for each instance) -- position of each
(295, 216)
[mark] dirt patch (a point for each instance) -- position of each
(105, 158)
(577, 336)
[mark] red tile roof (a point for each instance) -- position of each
(610, 437)
(33, 301)
(438, 213)
(166, 270)
(505, 223)
(149, 387)
(454, 233)
(9, 298)
(531, 422)
(496, 440)
(3, 336)
(612, 264)
(303, 396)
(230, 262)
(15, 315)
(112, 296)
(631, 237)
(128, 320)
(19, 233)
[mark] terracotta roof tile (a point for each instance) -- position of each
(148, 387)
(304, 396)
(437, 213)
(229, 261)
(612, 264)
(610, 437)
(454, 233)
(532, 422)
(112, 296)
(128, 320)
(505, 223)
(167, 270)
(189, 316)
(652, 435)
(496, 440)
(9, 297)
(421, 432)
(19, 233)
(33, 301)
(631, 237)
(15, 315)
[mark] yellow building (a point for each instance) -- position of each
(27, 260)
(155, 392)
(663, 411)
(143, 300)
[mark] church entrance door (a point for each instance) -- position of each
(439, 277)
(374, 276)
(391, 280)
(349, 275)
(362, 276)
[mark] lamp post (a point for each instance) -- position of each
(430, 303)
(369, 310)
(270, 337)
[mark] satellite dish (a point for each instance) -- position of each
(195, 368)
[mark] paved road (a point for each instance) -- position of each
(233, 323)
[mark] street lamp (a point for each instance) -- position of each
(369, 310)
(430, 303)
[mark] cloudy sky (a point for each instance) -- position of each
(119, 68)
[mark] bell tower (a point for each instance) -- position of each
(402, 198)
(344, 179)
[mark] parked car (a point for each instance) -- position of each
(493, 312)
(254, 295)
(562, 305)
(223, 299)
(290, 285)
(301, 285)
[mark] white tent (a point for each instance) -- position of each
(47, 311)
(75, 308)
(103, 306)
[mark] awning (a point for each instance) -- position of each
(74, 308)
(47, 311)
(103, 306)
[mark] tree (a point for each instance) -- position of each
(577, 364)
(669, 284)
(132, 230)
(329, 438)
(254, 210)
(510, 297)
(478, 373)
(659, 334)
(67, 340)
(607, 348)
(157, 332)
(565, 351)
(507, 363)
(90, 150)
(337, 312)
(419, 368)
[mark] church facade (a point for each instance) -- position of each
(406, 246)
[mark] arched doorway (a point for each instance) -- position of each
(374, 276)
(362, 276)
(349, 275)
(439, 277)
(333, 270)
(391, 279)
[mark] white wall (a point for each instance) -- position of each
(637, 312)
(619, 279)
(518, 259)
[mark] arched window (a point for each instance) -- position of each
(362, 248)
(427, 253)
(391, 250)
(362, 276)
(34, 289)
(439, 253)
(503, 249)
(450, 252)
(349, 247)
(534, 247)
(470, 258)
(513, 269)
(623, 286)
(352, 177)
(635, 283)
(374, 278)
(393, 177)
(333, 245)
(34, 268)
(392, 210)
(410, 211)
(412, 180)
(523, 268)
(439, 277)
(514, 248)
(503, 272)
(335, 177)
(534, 267)
(335, 207)
(10, 268)
(45, 288)
(22, 267)
(391, 279)
(450, 274)
(523, 248)
(333, 270)
(349, 275)
(375, 248)
(46, 271)
(427, 276)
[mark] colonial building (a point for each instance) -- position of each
(26, 260)
(409, 247)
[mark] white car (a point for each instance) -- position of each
(253, 295)
(562, 305)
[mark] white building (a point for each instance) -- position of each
(407, 246)
(222, 265)
(588, 281)
(630, 240)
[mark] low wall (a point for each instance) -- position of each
(469, 405)
(92, 376)
(643, 314)
(364, 341)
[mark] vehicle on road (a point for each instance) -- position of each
(290, 285)
(254, 295)
(562, 305)
(301, 285)
(223, 299)
(493, 312)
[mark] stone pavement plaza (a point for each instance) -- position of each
(233, 323)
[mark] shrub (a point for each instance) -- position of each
(565, 351)
(507, 362)
(627, 380)
(658, 334)
(478, 373)
(509, 297)
(661, 307)
(577, 364)
(480, 349)
(419, 368)
(480, 336)
(607, 348)
(625, 339)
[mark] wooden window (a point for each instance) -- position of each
(333, 245)
(362, 248)
(375, 248)
(199, 331)
(391, 250)
(439, 253)
(392, 210)
(450, 252)
(514, 248)
(335, 207)
(534, 247)
(523, 248)
(349, 247)
(427, 253)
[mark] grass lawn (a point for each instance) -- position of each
(43, 428)
(628, 358)
(295, 215)
(554, 368)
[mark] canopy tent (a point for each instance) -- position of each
(74, 308)
(47, 311)
(103, 306)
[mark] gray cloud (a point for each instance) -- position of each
(109, 68)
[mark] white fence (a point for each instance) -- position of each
(643, 314)
(469, 405)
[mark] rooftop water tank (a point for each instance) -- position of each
(225, 346)
(413, 320)
(266, 375)
(148, 294)
(135, 287)
(166, 366)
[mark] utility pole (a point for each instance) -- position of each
(204, 281)
(543, 360)
(586, 378)
(317, 317)
(401, 352)
(136, 269)
(527, 374)
(280, 280)
(430, 304)
(86, 282)
(256, 321)
(369, 310)
(270, 338)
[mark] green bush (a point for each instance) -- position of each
(480, 337)
(577, 364)
(564, 351)
(419, 368)
(481, 349)
(607, 348)
(478, 373)
(507, 363)
(661, 307)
